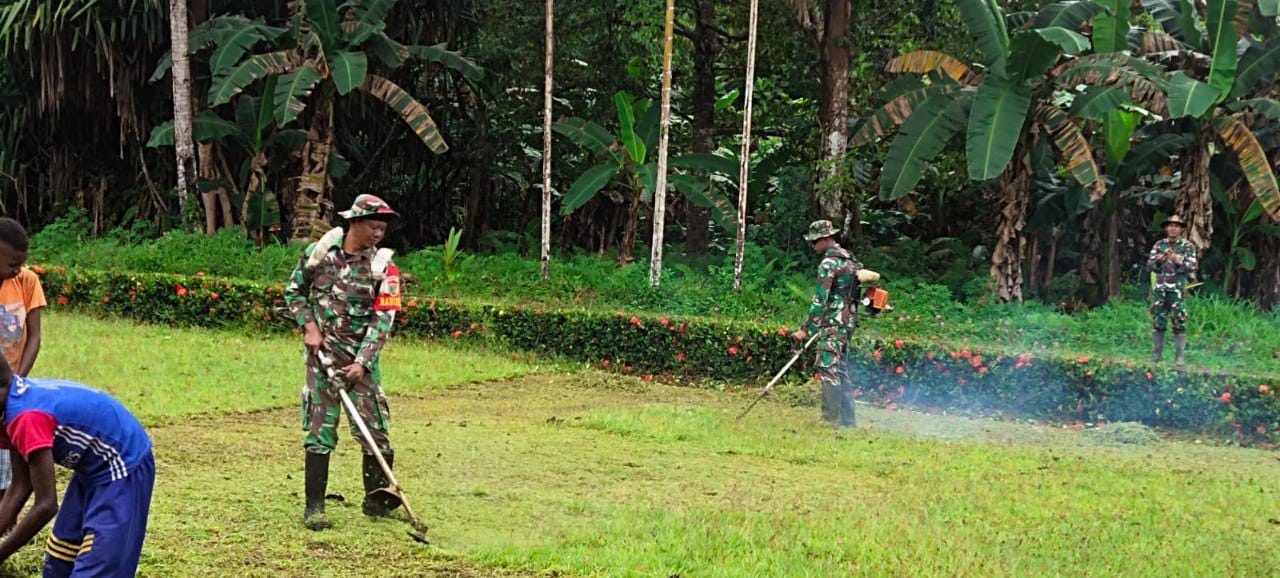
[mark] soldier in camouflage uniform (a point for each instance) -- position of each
(833, 316)
(1172, 260)
(344, 294)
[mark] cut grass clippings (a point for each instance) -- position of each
(584, 474)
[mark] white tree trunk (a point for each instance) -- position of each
(660, 195)
(182, 140)
(745, 157)
(548, 67)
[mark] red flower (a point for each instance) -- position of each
(413, 302)
(181, 290)
(680, 355)
(929, 356)
(982, 369)
(648, 377)
(475, 326)
(62, 300)
(898, 343)
(1264, 388)
(899, 370)
(1088, 373)
(977, 360)
(1082, 359)
(1150, 376)
(106, 299)
(664, 321)
(733, 350)
(782, 331)
(456, 334)
(876, 355)
(604, 363)
(635, 320)
(1226, 397)
(626, 369)
(213, 296)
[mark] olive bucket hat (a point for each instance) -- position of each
(820, 229)
(370, 207)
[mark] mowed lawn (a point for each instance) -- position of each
(526, 469)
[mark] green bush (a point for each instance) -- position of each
(920, 373)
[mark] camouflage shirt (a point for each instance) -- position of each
(1168, 274)
(835, 297)
(339, 295)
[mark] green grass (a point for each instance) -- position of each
(164, 374)
(585, 474)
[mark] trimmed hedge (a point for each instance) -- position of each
(920, 374)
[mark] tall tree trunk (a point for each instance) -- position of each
(310, 206)
(479, 183)
(744, 159)
(664, 134)
(182, 138)
(1011, 243)
(1195, 203)
(833, 106)
(1114, 288)
(1047, 288)
(706, 50)
(548, 68)
(1094, 250)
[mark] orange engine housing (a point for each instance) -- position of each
(876, 299)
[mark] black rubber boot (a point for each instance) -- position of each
(1180, 347)
(830, 404)
(1157, 346)
(380, 503)
(847, 417)
(317, 479)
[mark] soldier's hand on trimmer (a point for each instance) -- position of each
(311, 337)
(353, 373)
(799, 335)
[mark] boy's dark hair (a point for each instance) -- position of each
(13, 234)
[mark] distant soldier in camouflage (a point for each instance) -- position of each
(344, 294)
(833, 316)
(1172, 259)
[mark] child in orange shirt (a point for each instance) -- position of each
(21, 299)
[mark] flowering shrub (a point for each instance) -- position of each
(901, 372)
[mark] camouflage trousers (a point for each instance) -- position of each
(832, 371)
(1168, 305)
(322, 408)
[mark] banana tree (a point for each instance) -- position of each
(1005, 108)
(623, 164)
(326, 51)
(253, 133)
(1216, 74)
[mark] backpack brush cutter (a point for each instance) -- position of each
(873, 301)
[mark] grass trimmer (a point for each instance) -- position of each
(419, 530)
(777, 377)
